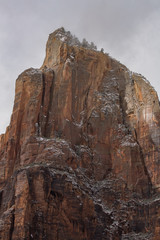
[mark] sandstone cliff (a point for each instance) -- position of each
(80, 158)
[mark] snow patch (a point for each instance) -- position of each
(128, 141)
(33, 71)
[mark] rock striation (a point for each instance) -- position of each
(80, 159)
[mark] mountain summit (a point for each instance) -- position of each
(80, 158)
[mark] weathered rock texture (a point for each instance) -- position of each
(80, 159)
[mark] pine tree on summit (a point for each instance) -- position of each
(85, 43)
(93, 46)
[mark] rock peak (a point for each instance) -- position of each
(65, 36)
(59, 43)
(60, 33)
(80, 159)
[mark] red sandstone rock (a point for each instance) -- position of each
(80, 159)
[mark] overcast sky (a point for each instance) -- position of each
(129, 30)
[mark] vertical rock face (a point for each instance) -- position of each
(80, 158)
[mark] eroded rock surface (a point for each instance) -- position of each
(80, 158)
